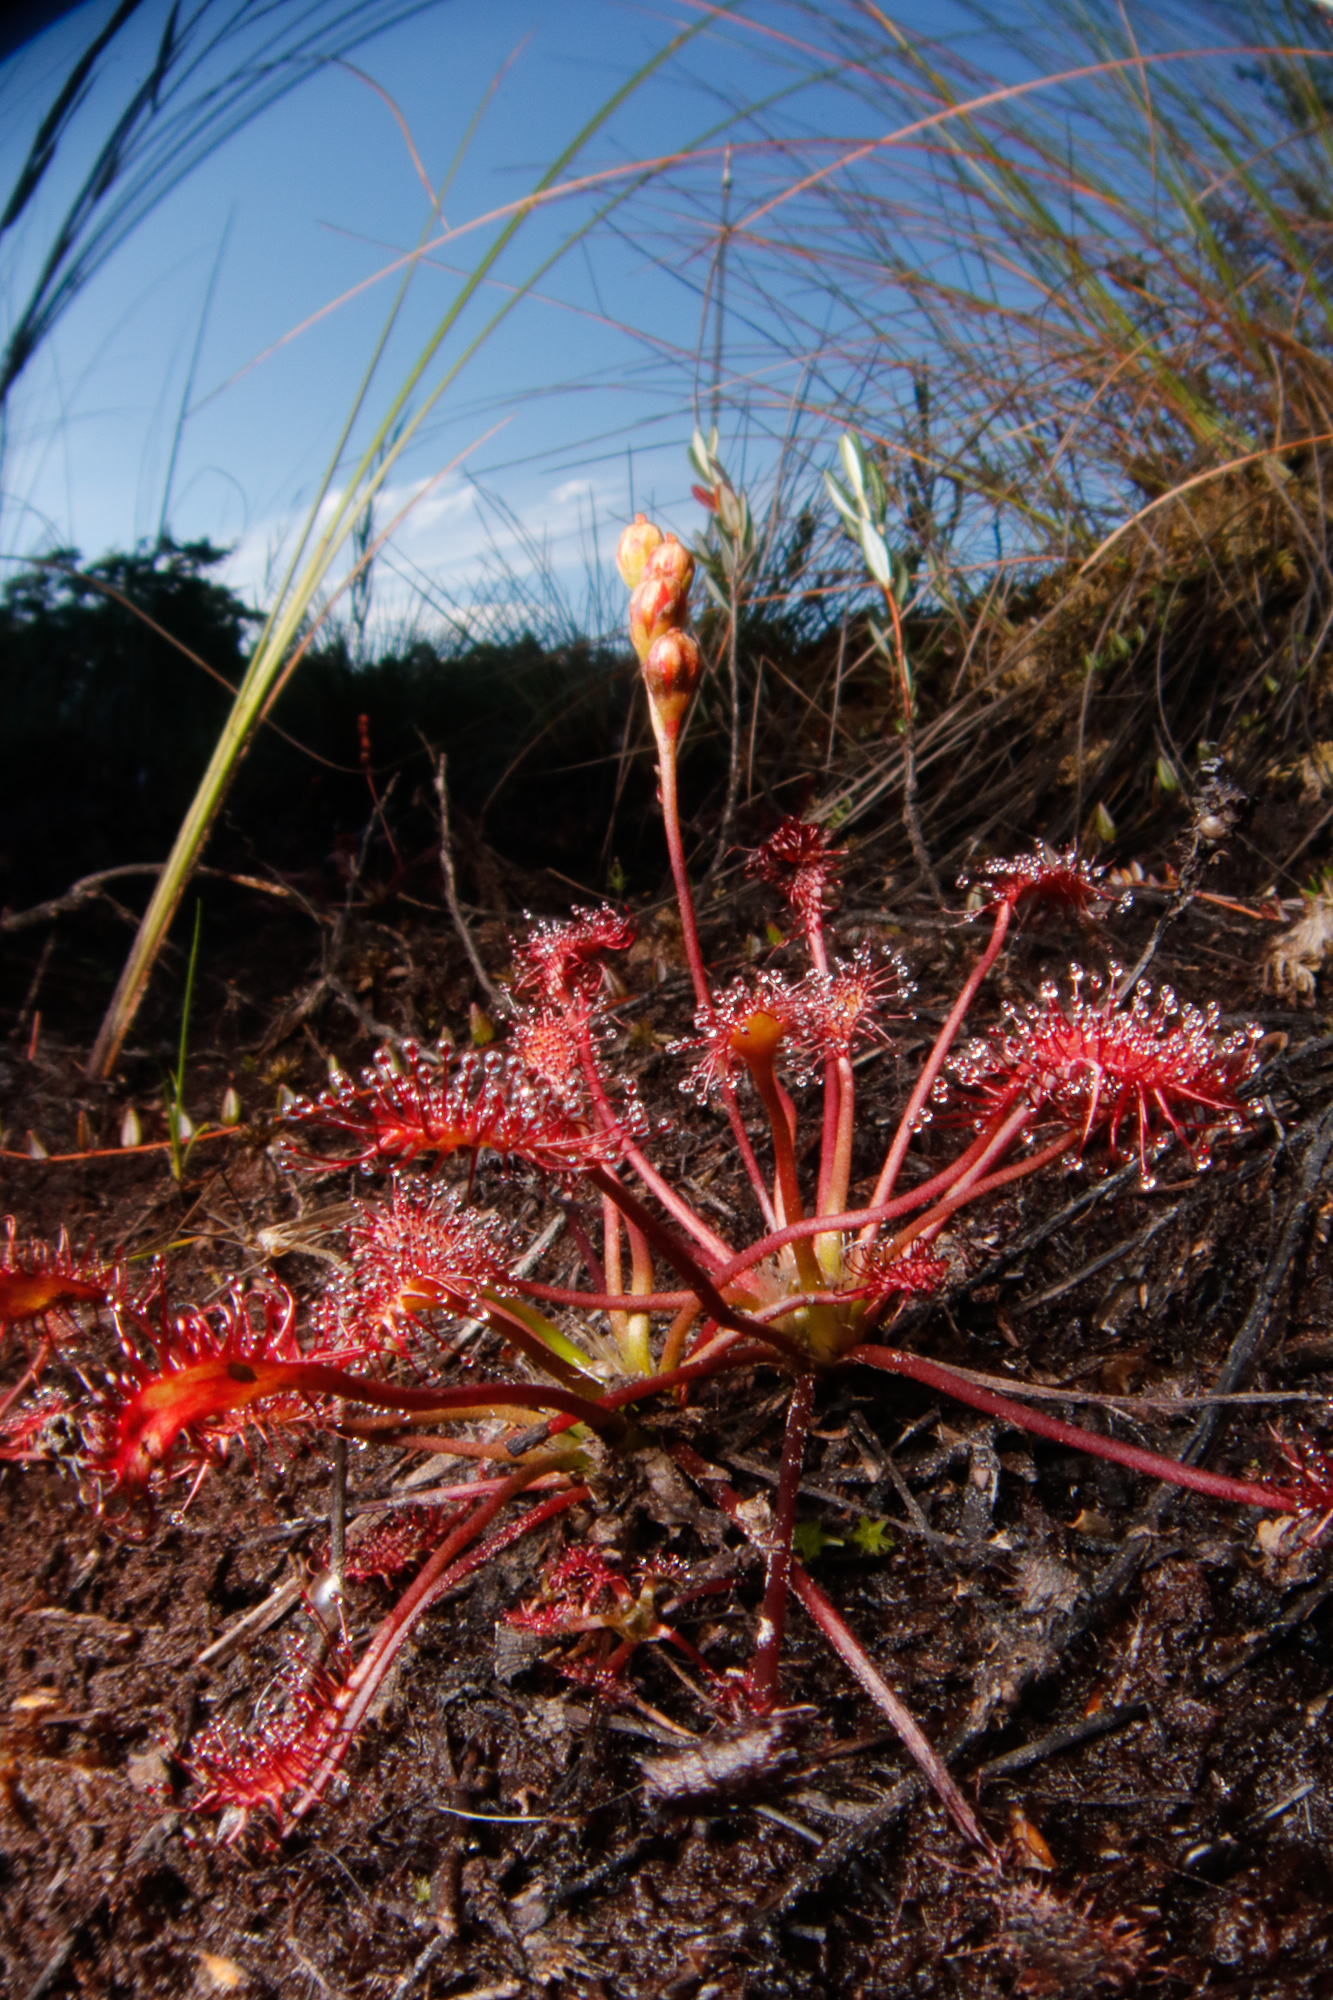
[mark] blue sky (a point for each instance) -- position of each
(316, 196)
(584, 398)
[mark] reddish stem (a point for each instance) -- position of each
(828, 1143)
(520, 1335)
(580, 1235)
(560, 1295)
(855, 1218)
(748, 1160)
(757, 1044)
(722, 1360)
(666, 772)
(844, 1136)
(708, 1240)
(814, 939)
(156, 1414)
(974, 1184)
(925, 1083)
(935, 1375)
(615, 1275)
(677, 1334)
(847, 1646)
(382, 1431)
(904, 1724)
(677, 1255)
(441, 1573)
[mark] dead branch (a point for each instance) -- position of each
(494, 996)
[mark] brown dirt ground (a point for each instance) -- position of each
(1133, 1686)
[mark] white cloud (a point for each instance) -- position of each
(455, 548)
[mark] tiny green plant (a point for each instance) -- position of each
(180, 1127)
(862, 504)
(726, 553)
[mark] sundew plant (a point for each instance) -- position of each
(143, 1395)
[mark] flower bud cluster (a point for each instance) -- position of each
(659, 571)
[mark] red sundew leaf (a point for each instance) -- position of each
(721, 1025)
(573, 1587)
(214, 1367)
(834, 1011)
(546, 1042)
(1042, 877)
(799, 861)
(38, 1279)
(583, 1590)
(879, 1274)
(479, 1101)
(559, 960)
(243, 1774)
(1095, 1067)
(585, 1597)
(423, 1252)
(395, 1542)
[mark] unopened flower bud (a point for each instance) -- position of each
(655, 609)
(635, 546)
(131, 1130)
(230, 1113)
(671, 674)
(672, 560)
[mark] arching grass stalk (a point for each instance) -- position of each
(179, 1133)
(322, 541)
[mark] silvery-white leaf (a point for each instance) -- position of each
(853, 464)
(842, 500)
(715, 591)
(878, 560)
